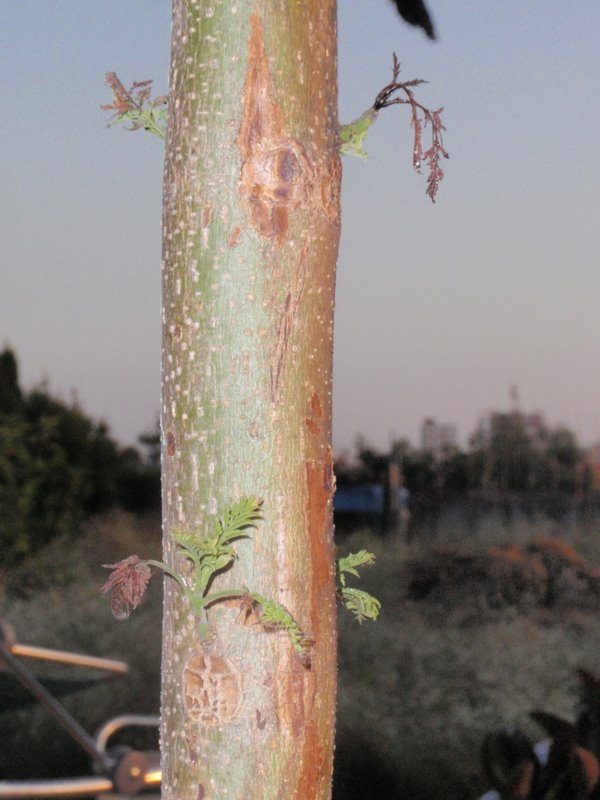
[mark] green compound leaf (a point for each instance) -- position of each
(215, 553)
(351, 562)
(274, 615)
(362, 604)
(189, 542)
(246, 514)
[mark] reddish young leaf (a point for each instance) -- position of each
(400, 93)
(126, 584)
(131, 103)
(122, 98)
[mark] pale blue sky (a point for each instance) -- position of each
(439, 308)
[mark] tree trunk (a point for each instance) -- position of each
(251, 229)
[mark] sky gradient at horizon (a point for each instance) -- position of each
(440, 309)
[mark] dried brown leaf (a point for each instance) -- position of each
(126, 583)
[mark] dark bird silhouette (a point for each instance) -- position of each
(415, 13)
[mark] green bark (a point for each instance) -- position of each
(251, 228)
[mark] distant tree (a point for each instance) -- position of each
(510, 453)
(139, 479)
(506, 454)
(85, 445)
(150, 440)
(10, 393)
(58, 466)
(421, 473)
(371, 464)
(454, 472)
(563, 457)
(42, 495)
(516, 453)
(18, 489)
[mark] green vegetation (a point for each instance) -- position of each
(58, 467)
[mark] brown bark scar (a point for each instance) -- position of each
(283, 335)
(192, 740)
(284, 328)
(320, 484)
(261, 722)
(312, 420)
(296, 690)
(316, 406)
(234, 236)
(206, 219)
(312, 425)
(330, 188)
(276, 175)
(313, 773)
(171, 444)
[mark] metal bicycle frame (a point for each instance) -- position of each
(136, 771)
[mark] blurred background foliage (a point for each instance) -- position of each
(58, 467)
(53, 599)
(490, 594)
(468, 641)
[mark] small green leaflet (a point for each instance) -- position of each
(350, 563)
(361, 604)
(354, 134)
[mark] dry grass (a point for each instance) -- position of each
(421, 687)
